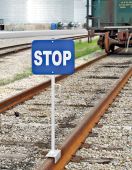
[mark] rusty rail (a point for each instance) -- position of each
(14, 49)
(80, 133)
(21, 47)
(29, 44)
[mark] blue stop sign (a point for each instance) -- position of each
(53, 57)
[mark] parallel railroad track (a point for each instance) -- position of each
(14, 49)
(81, 92)
(20, 47)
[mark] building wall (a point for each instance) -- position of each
(67, 10)
(42, 11)
(12, 11)
(80, 11)
(39, 11)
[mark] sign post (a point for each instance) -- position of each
(53, 113)
(53, 57)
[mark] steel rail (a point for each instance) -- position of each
(70, 37)
(12, 46)
(81, 132)
(20, 47)
(14, 49)
(28, 94)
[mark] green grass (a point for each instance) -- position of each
(18, 76)
(85, 48)
(25, 74)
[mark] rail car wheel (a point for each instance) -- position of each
(107, 43)
(112, 48)
(101, 41)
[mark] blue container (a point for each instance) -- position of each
(53, 26)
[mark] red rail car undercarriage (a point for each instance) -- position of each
(114, 36)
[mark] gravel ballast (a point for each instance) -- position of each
(25, 140)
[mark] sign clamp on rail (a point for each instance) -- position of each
(53, 57)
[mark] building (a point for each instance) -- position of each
(18, 12)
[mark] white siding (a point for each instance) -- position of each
(42, 11)
(12, 11)
(67, 10)
(80, 11)
(50, 10)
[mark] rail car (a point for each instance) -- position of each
(112, 21)
(110, 37)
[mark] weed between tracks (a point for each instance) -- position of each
(83, 48)
(18, 76)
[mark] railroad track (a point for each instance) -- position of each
(24, 148)
(14, 49)
(20, 47)
(96, 151)
(108, 144)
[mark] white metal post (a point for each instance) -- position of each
(53, 113)
(56, 154)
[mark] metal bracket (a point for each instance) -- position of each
(56, 154)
